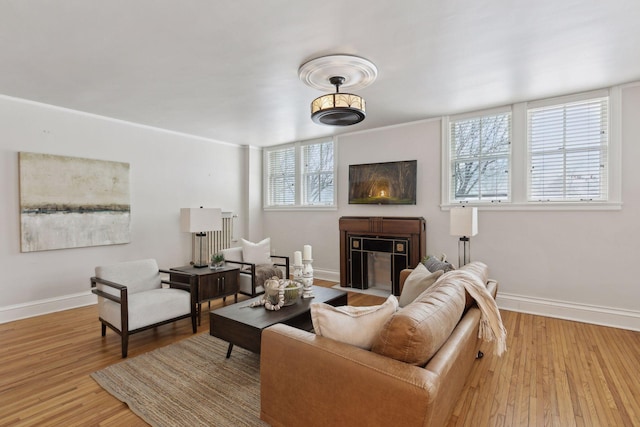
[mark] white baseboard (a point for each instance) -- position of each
(330, 275)
(598, 315)
(46, 306)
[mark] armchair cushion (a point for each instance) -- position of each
(148, 308)
(137, 276)
(257, 253)
(233, 254)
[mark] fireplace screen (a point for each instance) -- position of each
(365, 249)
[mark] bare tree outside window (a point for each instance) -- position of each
(318, 174)
(480, 152)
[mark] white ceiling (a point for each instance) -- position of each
(227, 69)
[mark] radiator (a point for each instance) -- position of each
(214, 241)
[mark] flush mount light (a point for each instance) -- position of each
(338, 109)
(346, 71)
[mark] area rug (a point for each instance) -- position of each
(371, 291)
(189, 383)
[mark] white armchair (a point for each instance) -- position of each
(132, 298)
(256, 265)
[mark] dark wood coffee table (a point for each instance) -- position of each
(241, 325)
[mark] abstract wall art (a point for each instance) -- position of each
(71, 202)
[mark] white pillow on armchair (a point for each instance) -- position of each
(257, 253)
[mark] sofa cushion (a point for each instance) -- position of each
(257, 253)
(357, 326)
(416, 283)
(479, 269)
(416, 332)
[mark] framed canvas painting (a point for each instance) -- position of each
(71, 202)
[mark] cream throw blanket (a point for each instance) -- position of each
(491, 327)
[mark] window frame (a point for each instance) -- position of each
(448, 197)
(519, 168)
(300, 188)
(566, 150)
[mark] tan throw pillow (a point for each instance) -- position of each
(415, 333)
(418, 281)
(357, 326)
(257, 253)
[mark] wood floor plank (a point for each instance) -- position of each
(555, 372)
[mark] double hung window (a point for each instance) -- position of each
(300, 175)
(561, 152)
(567, 151)
(479, 153)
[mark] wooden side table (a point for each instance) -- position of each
(211, 284)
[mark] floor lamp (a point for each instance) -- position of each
(199, 221)
(463, 222)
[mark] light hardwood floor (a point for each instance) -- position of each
(555, 372)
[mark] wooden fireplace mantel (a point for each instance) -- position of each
(411, 229)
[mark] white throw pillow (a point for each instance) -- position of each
(257, 253)
(418, 281)
(357, 326)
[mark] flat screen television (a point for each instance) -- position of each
(389, 183)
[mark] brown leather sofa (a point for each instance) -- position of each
(309, 380)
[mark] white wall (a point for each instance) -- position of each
(168, 171)
(421, 141)
(572, 264)
(569, 264)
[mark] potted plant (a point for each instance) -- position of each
(217, 260)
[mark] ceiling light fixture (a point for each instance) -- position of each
(338, 109)
(339, 71)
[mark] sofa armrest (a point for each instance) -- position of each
(403, 277)
(310, 380)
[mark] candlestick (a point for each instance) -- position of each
(306, 252)
(307, 278)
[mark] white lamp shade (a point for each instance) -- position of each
(196, 220)
(463, 221)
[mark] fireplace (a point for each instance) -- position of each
(402, 238)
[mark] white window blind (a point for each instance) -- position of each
(300, 175)
(317, 173)
(479, 153)
(567, 151)
(281, 176)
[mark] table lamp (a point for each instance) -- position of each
(199, 221)
(463, 222)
